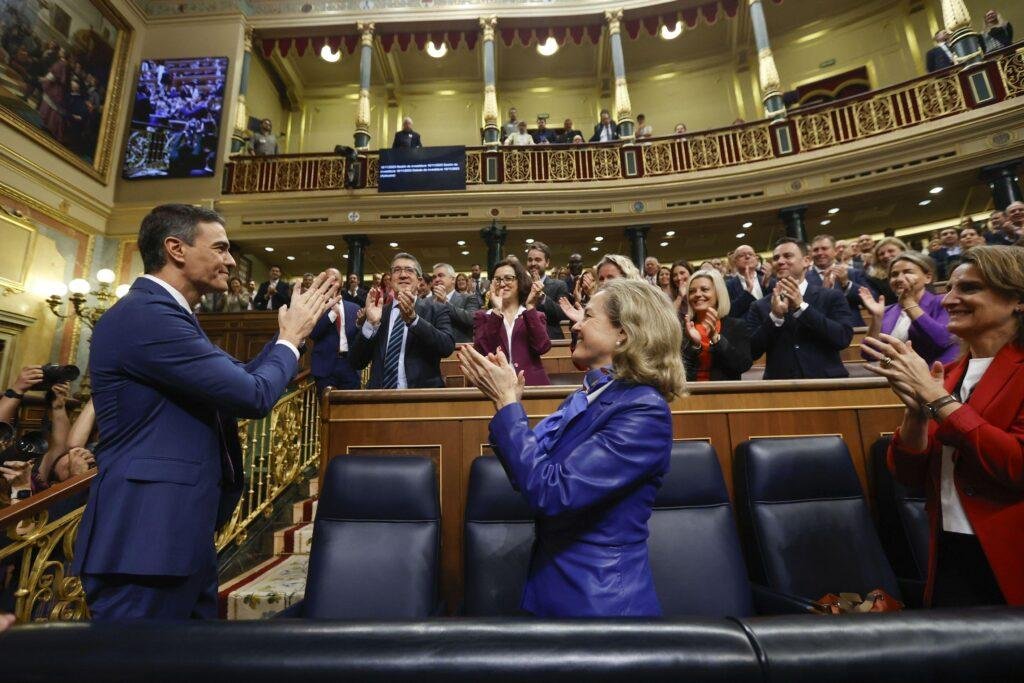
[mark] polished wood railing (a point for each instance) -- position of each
(906, 105)
(40, 531)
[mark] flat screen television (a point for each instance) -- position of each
(423, 168)
(176, 117)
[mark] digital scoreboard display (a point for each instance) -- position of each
(422, 169)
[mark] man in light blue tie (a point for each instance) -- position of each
(406, 339)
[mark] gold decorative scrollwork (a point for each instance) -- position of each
(754, 144)
(606, 163)
(517, 167)
(562, 165)
(289, 174)
(473, 168)
(372, 171)
(329, 174)
(815, 130)
(1012, 69)
(704, 152)
(874, 115)
(940, 97)
(245, 177)
(658, 158)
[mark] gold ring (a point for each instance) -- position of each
(886, 361)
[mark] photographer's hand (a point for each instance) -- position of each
(30, 376)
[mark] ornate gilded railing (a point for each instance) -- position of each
(899, 107)
(275, 450)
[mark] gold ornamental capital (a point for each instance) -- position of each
(769, 74)
(366, 30)
(488, 25)
(613, 17)
(955, 15)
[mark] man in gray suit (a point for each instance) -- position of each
(461, 307)
(538, 260)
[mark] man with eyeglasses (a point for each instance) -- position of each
(407, 338)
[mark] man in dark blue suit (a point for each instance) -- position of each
(406, 339)
(749, 283)
(330, 364)
(166, 399)
(406, 137)
(939, 57)
(801, 327)
(825, 271)
(606, 130)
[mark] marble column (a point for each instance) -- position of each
(964, 42)
(241, 129)
(494, 237)
(793, 219)
(637, 235)
(768, 75)
(1004, 182)
(362, 134)
(356, 252)
(492, 130)
(623, 107)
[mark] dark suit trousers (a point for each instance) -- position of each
(122, 597)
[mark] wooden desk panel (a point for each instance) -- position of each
(243, 335)
(451, 427)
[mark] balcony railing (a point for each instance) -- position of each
(40, 532)
(899, 107)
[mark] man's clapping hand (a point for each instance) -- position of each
(406, 306)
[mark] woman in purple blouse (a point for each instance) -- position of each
(917, 315)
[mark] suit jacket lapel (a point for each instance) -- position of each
(1003, 369)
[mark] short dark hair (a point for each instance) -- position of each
(524, 280)
(170, 220)
(274, 265)
(818, 238)
(541, 247)
(800, 244)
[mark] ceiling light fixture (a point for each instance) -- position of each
(935, 190)
(393, 245)
(548, 47)
(465, 253)
(437, 51)
(671, 33)
(593, 249)
(268, 249)
(328, 56)
(740, 235)
(826, 222)
(290, 258)
(529, 240)
(664, 244)
(330, 247)
(670, 233)
(461, 243)
(924, 202)
(833, 211)
(748, 224)
(599, 239)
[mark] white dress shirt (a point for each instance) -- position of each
(756, 292)
(180, 298)
(339, 312)
(796, 314)
(508, 327)
(953, 516)
(606, 133)
(901, 330)
(394, 319)
(518, 138)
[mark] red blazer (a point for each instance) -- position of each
(530, 341)
(988, 433)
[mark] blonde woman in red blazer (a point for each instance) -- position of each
(962, 437)
(513, 323)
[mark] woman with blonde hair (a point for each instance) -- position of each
(883, 254)
(715, 346)
(591, 469)
(962, 436)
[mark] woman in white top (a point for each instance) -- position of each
(962, 436)
(513, 322)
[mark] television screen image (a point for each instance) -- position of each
(422, 168)
(176, 118)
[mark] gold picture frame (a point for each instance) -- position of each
(11, 102)
(18, 235)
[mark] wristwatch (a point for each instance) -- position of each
(11, 393)
(933, 407)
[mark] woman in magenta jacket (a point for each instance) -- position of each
(512, 323)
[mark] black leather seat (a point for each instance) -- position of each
(376, 540)
(499, 537)
(694, 546)
(805, 524)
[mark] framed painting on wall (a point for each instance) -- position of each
(62, 70)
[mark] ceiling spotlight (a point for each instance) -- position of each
(529, 240)
(461, 243)
(330, 247)
(935, 190)
(670, 233)
(290, 258)
(344, 256)
(740, 235)
(328, 56)
(437, 51)
(593, 249)
(833, 211)
(465, 253)
(664, 244)
(924, 202)
(826, 222)
(670, 33)
(748, 224)
(268, 249)
(393, 245)
(548, 47)
(599, 239)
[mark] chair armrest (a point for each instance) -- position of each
(768, 601)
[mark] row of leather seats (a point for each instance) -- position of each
(802, 515)
(953, 646)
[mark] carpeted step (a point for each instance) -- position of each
(304, 511)
(295, 539)
(265, 590)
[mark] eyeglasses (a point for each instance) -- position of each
(398, 270)
(506, 279)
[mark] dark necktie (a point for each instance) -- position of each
(392, 355)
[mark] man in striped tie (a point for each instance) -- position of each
(406, 339)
